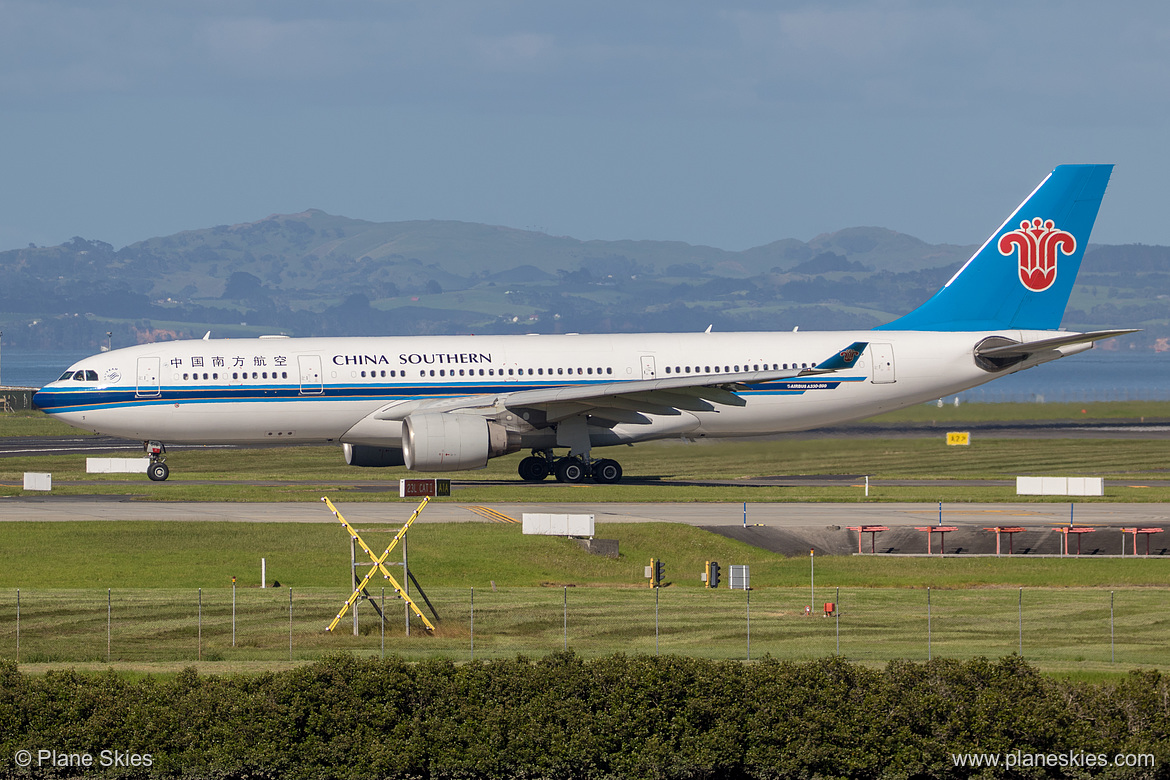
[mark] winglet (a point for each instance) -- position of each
(846, 358)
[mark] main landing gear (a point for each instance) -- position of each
(541, 463)
(157, 470)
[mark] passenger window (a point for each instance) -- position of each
(184, 375)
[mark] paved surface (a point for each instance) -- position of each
(778, 515)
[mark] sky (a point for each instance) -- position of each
(730, 124)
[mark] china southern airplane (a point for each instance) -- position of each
(449, 403)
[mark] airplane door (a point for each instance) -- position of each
(648, 367)
(310, 367)
(149, 371)
(882, 356)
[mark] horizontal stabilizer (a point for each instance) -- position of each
(1032, 347)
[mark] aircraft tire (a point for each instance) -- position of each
(606, 471)
(158, 471)
(533, 469)
(570, 470)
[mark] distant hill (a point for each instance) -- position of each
(314, 273)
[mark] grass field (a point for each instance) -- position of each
(534, 594)
(193, 555)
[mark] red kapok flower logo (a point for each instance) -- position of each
(1038, 242)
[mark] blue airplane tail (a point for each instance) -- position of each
(1021, 278)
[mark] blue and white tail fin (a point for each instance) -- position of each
(1022, 276)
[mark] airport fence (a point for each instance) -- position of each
(1058, 627)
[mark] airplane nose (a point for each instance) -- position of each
(43, 399)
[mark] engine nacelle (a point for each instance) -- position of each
(451, 442)
(375, 457)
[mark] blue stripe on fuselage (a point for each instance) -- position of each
(56, 400)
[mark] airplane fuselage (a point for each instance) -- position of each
(322, 390)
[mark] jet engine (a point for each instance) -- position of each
(452, 442)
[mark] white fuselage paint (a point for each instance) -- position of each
(319, 390)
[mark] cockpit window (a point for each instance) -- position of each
(79, 376)
(66, 375)
(91, 376)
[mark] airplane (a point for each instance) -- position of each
(451, 403)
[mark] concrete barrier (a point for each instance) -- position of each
(558, 525)
(1060, 486)
(37, 481)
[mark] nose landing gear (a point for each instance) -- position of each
(157, 470)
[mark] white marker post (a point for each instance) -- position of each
(263, 573)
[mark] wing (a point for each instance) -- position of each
(631, 401)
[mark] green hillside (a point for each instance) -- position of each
(314, 273)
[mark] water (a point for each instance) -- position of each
(1096, 375)
(34, 368)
